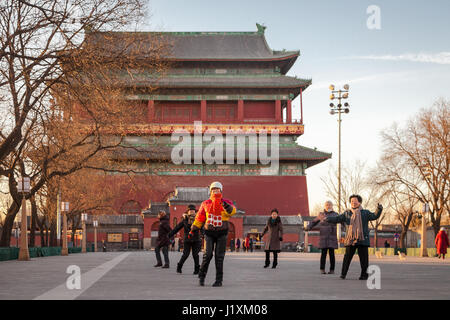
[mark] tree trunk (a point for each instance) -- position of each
(53, 239)
(42, 238)
(34, 218)
(73, 233)
(402, 238)
(375, 238)
(5, 240)
(47, 231)
(41, 224)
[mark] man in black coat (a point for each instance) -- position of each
(195, 243)
(357, 235)
(162, 242)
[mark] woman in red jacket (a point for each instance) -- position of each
(441, 242)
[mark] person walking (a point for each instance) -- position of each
(251, 244)
(194, 244)
(232, 245)
(238, 244)
(386, 244)
(328, 238)
(163, 242)
(213, 214)
(442, 243)
(357, 236)
(274, 229)
(247, 243)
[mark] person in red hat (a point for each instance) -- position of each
(213, 214)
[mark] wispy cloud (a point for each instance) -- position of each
(371, 77)
(438, 58)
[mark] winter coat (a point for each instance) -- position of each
(211, 222)
(366, 216)
(163, 232)
(185, 224)
(275, 232)
(247, 243)
(441, 242)
(328, 230)
(238, 243)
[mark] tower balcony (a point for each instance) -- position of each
(294, 128)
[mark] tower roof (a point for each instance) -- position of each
(196, 46)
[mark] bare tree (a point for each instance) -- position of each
(58, 91)
(417, 157)
(357, 178)
(402, 203)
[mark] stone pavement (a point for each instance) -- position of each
(131, 275)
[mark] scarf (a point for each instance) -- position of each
(355, 230)
(216, 207)
(273, 221)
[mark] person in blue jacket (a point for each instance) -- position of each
(357, 237)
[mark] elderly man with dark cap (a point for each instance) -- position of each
(193, 243)
(214, 214)
(357, 235)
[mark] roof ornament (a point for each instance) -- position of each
(261, 28)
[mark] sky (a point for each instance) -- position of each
(396, 60)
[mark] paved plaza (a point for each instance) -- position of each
(131, 276)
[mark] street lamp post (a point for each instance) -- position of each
(64, 210)
(83, 240)
(24, 188)
(95, 223)
(341, 94)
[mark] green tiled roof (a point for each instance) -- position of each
(229, 81)
(163, 153)
(196, 46)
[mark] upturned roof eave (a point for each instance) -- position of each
(291, 55)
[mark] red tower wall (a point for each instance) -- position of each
(256, 195)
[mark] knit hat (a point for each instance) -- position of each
(216, 184)
(191, 207)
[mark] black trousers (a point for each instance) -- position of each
(363, 253)
(215, 245)
(275, 257)
(165, 250)
(195, 247)
(323, 258)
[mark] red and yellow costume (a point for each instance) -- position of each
(214, 213)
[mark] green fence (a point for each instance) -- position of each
(12, 253)
(9, 253)
(412, 252)
(78, 249)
